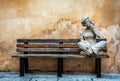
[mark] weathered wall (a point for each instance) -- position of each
(57, 19)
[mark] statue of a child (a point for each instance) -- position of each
(88, 38)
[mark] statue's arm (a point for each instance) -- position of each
(96, 31)
(81, 37)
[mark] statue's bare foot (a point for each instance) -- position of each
(101, 53)
(84, 53)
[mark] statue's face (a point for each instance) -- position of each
(83, 23)
(86, 23)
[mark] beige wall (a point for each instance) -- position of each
(57, 19)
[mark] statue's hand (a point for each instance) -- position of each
(96, 31)
(92, 27)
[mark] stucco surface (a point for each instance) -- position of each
(58, 19)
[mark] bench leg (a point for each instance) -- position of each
(95, 66)
(26, 65)
(21, 66)
(60, 67)
(98, 67)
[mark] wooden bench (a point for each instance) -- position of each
(53, 48)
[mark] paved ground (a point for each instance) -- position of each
(8, 76)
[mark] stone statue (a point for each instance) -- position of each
(88, 37)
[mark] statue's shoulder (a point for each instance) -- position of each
(85, 31)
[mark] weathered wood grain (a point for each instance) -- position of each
(51, 40)
(52, 50)
(48, 50)
(48, 40)
(61, 55)
(48, 45)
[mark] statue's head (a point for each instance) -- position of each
(86, 21)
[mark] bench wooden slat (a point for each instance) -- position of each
(48, 50)
(52, 52)
(51, 40)
(47, 40)
(48, 45)
(59, 55)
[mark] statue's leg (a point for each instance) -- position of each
(98, 46)
(86, 47)
(82, 45)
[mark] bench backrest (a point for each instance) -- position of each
(50, 46)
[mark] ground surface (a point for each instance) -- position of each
(8, 76)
